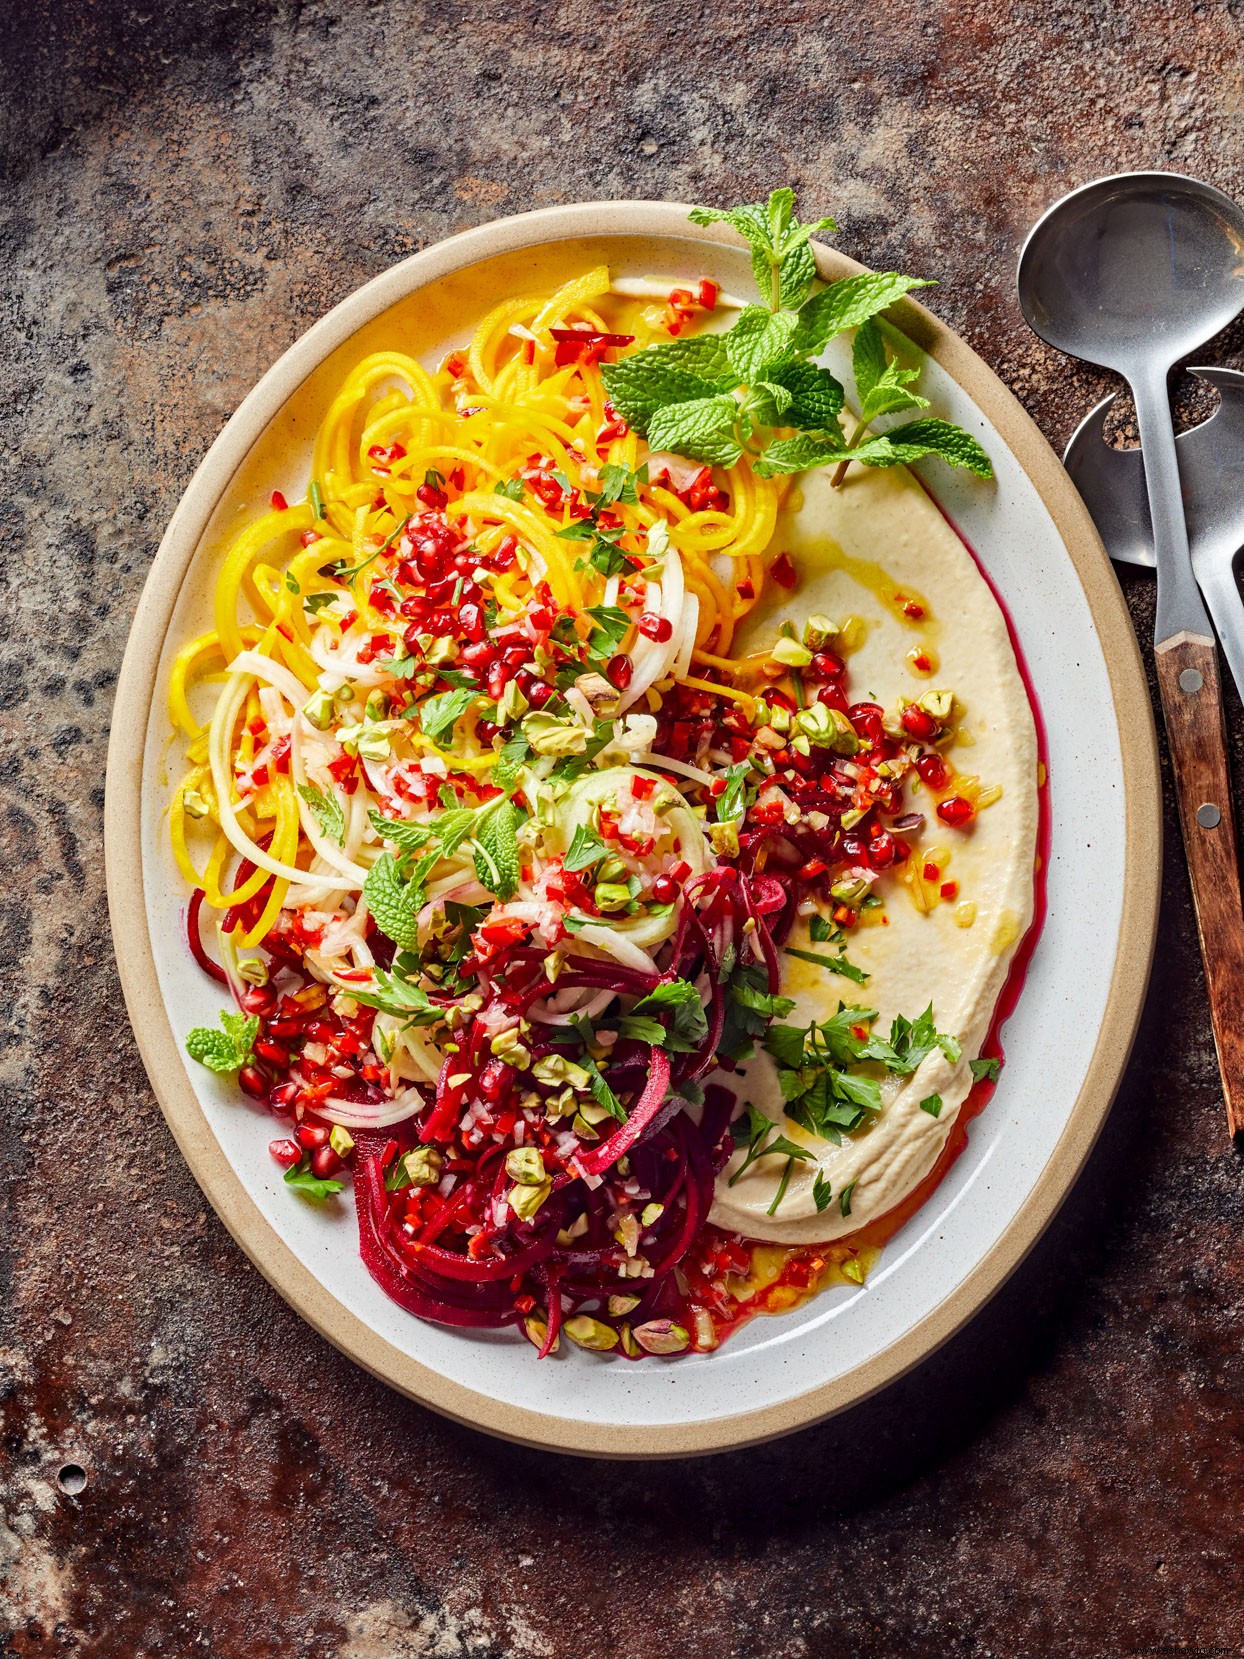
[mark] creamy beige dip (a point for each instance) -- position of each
(854, 549)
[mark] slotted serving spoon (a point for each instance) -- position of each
(1211, 473)
(1133, 273)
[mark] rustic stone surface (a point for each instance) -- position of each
(189, 187)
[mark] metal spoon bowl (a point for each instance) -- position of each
(1134, 272)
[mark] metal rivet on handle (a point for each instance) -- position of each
(1191, 680)
(1208, 816)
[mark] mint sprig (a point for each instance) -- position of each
(226, 1050)
(714, 398)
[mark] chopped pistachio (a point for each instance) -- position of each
(612, 895)
(611, 869)
(591, 1333)
(525, 1200)
(801, 744)
(583, 1129)
(651, 1213)
(442, 650)
(622, 1305)
(724, 839)
(423, 1166)
(627, 1233)
(508, 1047)
(340, 1139)
(343, 694)
(318, 709)
(576, 1229)
(550, 735)
(662, 1336)
(850, 889)
(536, 1330)
(938, 703)
(556, 1068)
(513, 704)
(790, 653)
(779, 717)
(817, 629)
(254, 970)
(195, 803)
(525, 1164)
(377, 705)
(604, 699)
(630, 1347)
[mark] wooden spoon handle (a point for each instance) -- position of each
(1191, 691)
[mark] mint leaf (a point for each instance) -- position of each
(226, 1050)
(847, 304)
(437, 715)
(310, 1186)
(816, 397)
(702, 429)
(800, 454)
(585, 849)
(394, 903)
(985, 1069)
(758, 338)
(782, 262)
(868, 361)
(406, 837)
(926, 437)
(327, 811)
(391, 993)
(647, 381)
(496, 851)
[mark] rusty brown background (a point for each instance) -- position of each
(188, 186)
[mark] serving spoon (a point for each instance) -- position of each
(1133, 273)
(1211, 459)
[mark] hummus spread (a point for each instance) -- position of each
(857, 549)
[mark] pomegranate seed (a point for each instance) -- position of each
(539, 694)
(882, 851)
(665, 890)
(432, 497)
(478, 655)
(659, 628)
(949, 889)
(284, 1097)
(272, 1052)
(324, 1162)
(783, 571)
(260, 999)
(955, 811)
(492, 1080)
(619, 671)
(813, 868)
(312, 1135)
(825, 666)
(252, 1081)
(286, 1153)
(917, 721)
(279, 503)
(933, 771)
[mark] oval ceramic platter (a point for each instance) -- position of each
(1086, 980)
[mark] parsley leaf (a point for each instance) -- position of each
(932, 1104)
(392, 993)
(511, 488)
(327, 811)
(689, 1022)
(819, 930)
(822, 1192)
(310, 1186)
(437, 715)
(985, 1069)
(835, 964)
(226, 1050)
(763, 1139)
